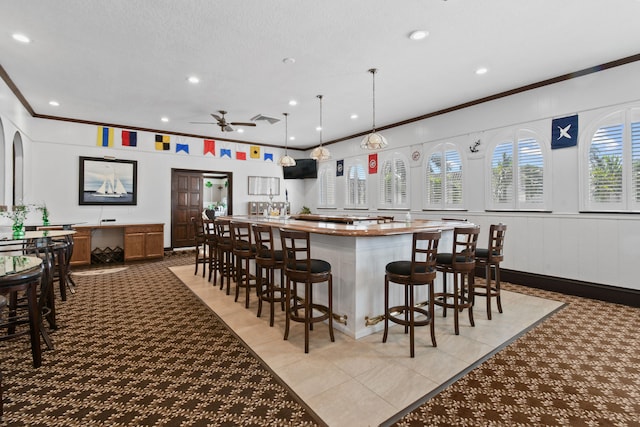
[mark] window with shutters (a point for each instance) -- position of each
(518, 173)
(327, 186)
(443, 178)
(394, 182)
(356, 185)
(611, 165)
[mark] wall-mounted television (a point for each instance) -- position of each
(304, 168)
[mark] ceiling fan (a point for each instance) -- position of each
(222, 122)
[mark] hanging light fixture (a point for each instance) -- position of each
(320, 153)
(286, 160)
(373, 141)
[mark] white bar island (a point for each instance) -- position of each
(358, 249)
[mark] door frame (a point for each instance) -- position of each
(228, 175)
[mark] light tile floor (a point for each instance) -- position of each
(365, 382)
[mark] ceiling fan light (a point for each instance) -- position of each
(320, 154)
(373, 141)
(287, 161)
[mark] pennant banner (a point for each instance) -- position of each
(255, 152)
(105, 137)
(373, 163)
(268, 156)
(241, 155)
(129, 139)
(209, 146)
(163, 142)
(182, 147)
(225, 152)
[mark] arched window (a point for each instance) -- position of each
(356, 185)
(18, 170)
(443, 178)
(394, 182)
(611, 163)
(519, 174)
(327, 186)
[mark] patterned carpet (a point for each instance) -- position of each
(136, 347)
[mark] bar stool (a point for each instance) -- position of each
(211, 244)
(299, 267)
(268, 259)
(491, 257)
(199, 240)
(419, 271)
(244, 251)
(461, 263)
(3, 303)
(224, 252)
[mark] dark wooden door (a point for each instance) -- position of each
(186, 202)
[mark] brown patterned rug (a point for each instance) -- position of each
(136, 347)
(580, 367)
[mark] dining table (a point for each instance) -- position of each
(22, 271)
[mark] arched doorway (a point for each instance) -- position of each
(18, 170)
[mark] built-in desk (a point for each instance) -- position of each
(140, 241)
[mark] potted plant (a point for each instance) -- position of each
(17, 214)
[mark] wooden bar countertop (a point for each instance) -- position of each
(362, 227)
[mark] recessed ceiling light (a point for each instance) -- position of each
(418, 34)
(54, 103)
(193, 79)
(482, 70)
(292, 138)
(21, 38)
(318, 128)
(293, 102)
(165, 119)
(240, 130)
(354, 116)
(289, 60)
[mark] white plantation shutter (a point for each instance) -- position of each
(394, 185)
(635, 163)
(327, 187)
(356, 185)
(434, 182)
(453, 179)
(530, 173)
(605, 167)
(502, 176)
(443, 179)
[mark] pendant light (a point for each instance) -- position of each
(320, 153)
(286, 160)
(373, 141)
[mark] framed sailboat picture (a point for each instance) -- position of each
(107, 181)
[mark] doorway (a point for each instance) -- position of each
(188, 200)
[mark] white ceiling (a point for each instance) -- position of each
(125, 62)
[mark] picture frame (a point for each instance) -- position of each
(104, 181)
(264, 185)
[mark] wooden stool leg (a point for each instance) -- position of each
(386, 308)
(497, 284)
(330, 305)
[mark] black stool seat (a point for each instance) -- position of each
(299, 267)
(420, 271)
(268, 259)
(460, 262)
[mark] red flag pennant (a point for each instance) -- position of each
(209, 146)
(373, 163)
(241, 155)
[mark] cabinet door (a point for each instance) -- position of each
(81, 248)
(154, 244)
(134, 246)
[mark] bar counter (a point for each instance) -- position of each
(358, 253)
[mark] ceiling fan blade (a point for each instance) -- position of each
(217, 117)
(227, 128)
(242, 124)
(204, 123)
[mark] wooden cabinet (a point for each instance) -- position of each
(140, 241)
(143, 242)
